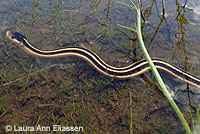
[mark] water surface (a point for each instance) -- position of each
(69, 92)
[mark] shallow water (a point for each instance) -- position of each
(68, 91)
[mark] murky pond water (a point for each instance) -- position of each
(68, 91)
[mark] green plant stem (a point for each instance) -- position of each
(131, 115)
(157, 75)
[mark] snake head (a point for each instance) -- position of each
(16, 37)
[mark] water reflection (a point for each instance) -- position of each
(164, 26)
(176, 41)
(28, 81)
(182, 92)
(195, 8)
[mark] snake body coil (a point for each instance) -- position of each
(132, 70)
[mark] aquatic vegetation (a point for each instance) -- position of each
(131, 114)
(70, 92)
(196, 121)
(153, 68)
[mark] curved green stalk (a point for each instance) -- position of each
(154, 70)
(158, 77)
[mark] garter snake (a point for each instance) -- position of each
(127, 72)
